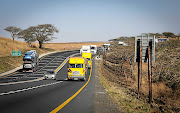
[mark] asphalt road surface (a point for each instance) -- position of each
(44, 96)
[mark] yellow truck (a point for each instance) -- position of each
(87, 56)
(77, 68)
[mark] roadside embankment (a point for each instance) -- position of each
(9, 62)
(119, 74)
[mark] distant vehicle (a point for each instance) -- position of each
(30, 60)
(30, 55)
(50, 74)
(77, 68)
(85, 49)
(161, 40)
(106, 47)
(122, 43)
(88, 56)
(93, 49)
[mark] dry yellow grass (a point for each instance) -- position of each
(7, 45)
(70, 46)
(126, 102)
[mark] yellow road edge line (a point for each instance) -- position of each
(72, 97)
(9, 75)
(61, 65)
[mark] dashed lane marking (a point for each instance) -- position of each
(8, 75)
(30, 88)
(10, 83)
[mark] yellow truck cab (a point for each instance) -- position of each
(87, 56)
(77, 68)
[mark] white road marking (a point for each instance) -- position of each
(32, 77)
(42, 63)
(51, 66)
(12, 77)
(38, 74)
(10, 83)
(46, 58)
(30, 88)
(57, 61)
(20, 74)
(54, 63)
(50, 56)
(61, 57)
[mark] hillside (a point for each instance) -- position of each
(118, 68)
(7, 45)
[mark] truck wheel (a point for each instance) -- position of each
(84, 79)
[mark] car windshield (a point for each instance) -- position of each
(75, 65)
(50, 72)
(79, 65)
(92, 47)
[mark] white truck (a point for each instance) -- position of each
(106, 47)
(93, 49)
(122, 43)
(85, 49)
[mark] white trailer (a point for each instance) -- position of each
(85, 49)
(93, 49)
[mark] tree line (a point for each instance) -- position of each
(41, 33)
(165, 34)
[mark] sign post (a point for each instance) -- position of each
(150, 70)
(145, 52)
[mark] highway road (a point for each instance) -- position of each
(28, 93)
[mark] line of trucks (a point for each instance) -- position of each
(77, 66)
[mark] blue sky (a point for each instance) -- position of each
(92, 20)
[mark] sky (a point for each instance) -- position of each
(92, 20)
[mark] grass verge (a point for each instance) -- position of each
(126, 102)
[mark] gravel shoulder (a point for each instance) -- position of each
(102, 101)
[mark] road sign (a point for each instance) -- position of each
(16, 53)
(144, 40)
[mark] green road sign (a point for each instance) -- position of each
(16, 53)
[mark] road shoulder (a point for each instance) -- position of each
(102, 101)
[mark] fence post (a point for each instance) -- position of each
(139, 58)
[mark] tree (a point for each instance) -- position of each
(13, 30)
(41, 33)
(27, 35)
(168, 34)
(156, 34)
(44, 33)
